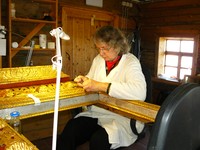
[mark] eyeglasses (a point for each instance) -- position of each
(105, 49)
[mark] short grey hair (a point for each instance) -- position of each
(113, 37)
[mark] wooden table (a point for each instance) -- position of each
(17, 83)
(131, 108)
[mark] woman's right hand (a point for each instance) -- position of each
(91, 85)
(80, 79)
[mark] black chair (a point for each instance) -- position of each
(177, 124)
(147, 74)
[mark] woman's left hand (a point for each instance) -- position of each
(90, 85)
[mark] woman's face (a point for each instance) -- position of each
(108, 53)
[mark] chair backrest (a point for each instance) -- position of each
(147, 74)
(177, 124)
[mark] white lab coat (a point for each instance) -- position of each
(128, 82)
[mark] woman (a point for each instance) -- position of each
(118, 73)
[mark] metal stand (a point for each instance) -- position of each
(57, 33)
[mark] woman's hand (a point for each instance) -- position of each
(80, 79)
(90, 85)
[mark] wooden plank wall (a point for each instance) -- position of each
(167, 16)
(108, 6)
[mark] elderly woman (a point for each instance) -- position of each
(118, 73)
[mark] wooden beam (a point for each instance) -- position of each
(135, 109)
(29, 36)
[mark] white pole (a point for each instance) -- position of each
(57, 33)
(56, 105)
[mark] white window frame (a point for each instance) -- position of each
(160, 55)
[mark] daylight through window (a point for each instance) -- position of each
(175, 57)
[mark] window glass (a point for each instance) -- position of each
(186, 62)
(184, 72)
(176, 56)
(173, 45)
(187, 46)
(171, 72)
(171, 60)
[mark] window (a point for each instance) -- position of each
(176, 57)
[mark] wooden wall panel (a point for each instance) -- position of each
(171, 4)
(176, 17)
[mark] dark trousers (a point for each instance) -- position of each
(80, 130)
